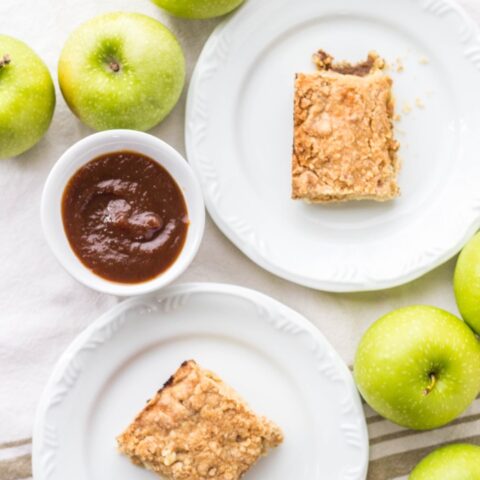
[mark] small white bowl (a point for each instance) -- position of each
(88, 149)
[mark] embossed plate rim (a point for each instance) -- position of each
(69, 367)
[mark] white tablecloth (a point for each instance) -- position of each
(42, 309)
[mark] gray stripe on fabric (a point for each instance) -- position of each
(407, 433)
(16, 469)
(16, 443)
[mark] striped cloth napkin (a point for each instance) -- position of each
(42, 309)
(394, 450)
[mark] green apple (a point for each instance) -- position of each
(418, 366)
(453, 462)
(122, 70)
(466, 282)
(27, 97)
(198, 8)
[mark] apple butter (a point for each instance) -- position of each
(125, 217)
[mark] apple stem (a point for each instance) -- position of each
(431, 386)
(114, 66)
(5, 60)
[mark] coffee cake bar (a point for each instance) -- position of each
(344, 147)
(196, 428)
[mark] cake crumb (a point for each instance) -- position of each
(397, 117)
(399, 65)
(419, 103)
(424, 60)
(407, 108)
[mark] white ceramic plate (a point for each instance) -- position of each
(272, 355)
(239, 137)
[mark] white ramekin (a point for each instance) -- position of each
(84, 151)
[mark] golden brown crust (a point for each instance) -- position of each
(344, 148)
(198, 428)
